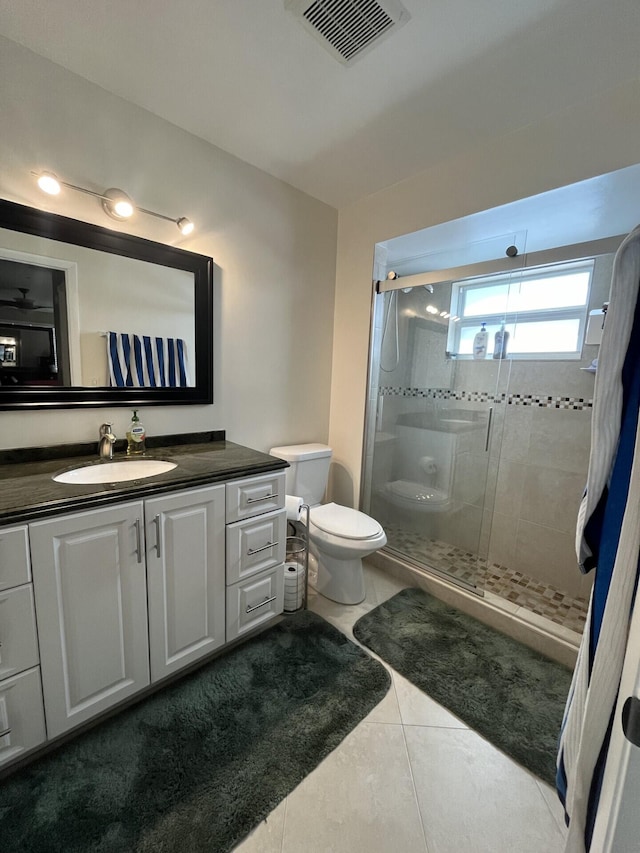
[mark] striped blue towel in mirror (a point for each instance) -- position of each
(140, 361)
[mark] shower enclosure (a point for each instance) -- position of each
(475, 466)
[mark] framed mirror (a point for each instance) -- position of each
(94, 317)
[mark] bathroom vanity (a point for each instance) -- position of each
(109, 589)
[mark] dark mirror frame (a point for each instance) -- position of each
(28, 220)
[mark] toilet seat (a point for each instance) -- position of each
(344, 522)
(409, 493)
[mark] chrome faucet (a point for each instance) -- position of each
(105, 445)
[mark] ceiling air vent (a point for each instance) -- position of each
(349, 28)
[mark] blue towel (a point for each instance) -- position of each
(140, 361)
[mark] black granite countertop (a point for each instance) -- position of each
(28, 491)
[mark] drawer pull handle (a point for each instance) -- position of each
(5, 733)
(262, 604)
(253, 551)
(264, 498)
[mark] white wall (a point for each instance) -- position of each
(592, 138)
(274, 248)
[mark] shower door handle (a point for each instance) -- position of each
(379, 411)
(486, 444)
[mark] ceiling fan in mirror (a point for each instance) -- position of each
(23, 303)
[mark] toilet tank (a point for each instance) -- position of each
(307, 475)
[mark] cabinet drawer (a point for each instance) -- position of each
(19, 649)
(255, 545)
(15, 565)
(21, 715)
(254, 601)
(254, 496)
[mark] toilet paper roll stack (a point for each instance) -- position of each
(293, 586)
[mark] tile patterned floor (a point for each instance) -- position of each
(514, 586)
(410, 778)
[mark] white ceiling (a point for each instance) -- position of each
(245, 76)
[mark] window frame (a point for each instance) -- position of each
(579, 312)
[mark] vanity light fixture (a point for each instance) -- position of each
(115, 202)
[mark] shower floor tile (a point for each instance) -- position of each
(509, 584)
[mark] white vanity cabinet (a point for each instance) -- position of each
(186, 577)
(22, 725)
(256, 543)
(128, 594)
(91, 604)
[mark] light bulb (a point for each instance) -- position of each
(123, 208)
(431, 309)
(117, 204)
(48, 183)
(185, 225)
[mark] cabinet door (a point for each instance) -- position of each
(18, 637)
(91, 606)
(185, 537)
(21, 715)
(15, 567)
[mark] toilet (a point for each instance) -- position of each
(339, 537)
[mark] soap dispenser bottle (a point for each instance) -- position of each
(501, 342)
(480, 343)
(135, 436)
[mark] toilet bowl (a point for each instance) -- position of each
(339, 537)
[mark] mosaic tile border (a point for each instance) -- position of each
(543, 401)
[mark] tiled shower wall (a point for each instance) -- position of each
(537, 463)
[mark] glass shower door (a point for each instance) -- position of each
(432, 442)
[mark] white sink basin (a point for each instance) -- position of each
(114, 472)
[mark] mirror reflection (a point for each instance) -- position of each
(59, 302)
(89, 315)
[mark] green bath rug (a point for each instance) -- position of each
(502, 689)
(198, 765)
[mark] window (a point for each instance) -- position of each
(544, 310)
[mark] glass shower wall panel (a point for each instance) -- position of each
(427, 476)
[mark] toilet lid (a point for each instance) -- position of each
(417, 493)
(344, 522)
